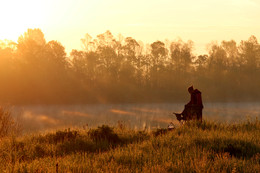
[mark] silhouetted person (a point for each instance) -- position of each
(193, 109)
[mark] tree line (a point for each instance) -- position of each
(123, 70)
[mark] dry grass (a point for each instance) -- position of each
(206, 147)
(8, 125)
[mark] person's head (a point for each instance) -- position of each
(190, 89)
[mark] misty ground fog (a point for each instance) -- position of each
(123, 70)
(134, 116)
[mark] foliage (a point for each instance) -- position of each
(8, 125)
(59, 136)
(110, 69)
(104, 133)
(193, 147)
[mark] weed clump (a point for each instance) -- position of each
(209, 147)
(235, 147)
(104, 133)
(8, 125)
(160, 131)
(61, 136)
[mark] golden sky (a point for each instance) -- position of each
(67, 21)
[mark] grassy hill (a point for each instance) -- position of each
(205, 147)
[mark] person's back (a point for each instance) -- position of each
(193, 109)
(198, 105)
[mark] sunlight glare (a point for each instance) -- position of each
(17, 16)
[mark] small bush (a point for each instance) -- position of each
(104, 133)
(79, 145)
(59, 137)
(8, 125)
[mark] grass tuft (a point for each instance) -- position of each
(193, 147)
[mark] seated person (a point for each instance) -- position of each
(193, 109)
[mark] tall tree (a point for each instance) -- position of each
(181, 55)
(250, 53)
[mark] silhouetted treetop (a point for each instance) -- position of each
(117, 69)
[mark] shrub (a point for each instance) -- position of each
(8, 125)
(104, 133)
(59, 136)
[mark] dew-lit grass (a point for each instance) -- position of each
(206, 147)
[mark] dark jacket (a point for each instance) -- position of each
(195, 98)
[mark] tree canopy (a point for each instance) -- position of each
(123, 70)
